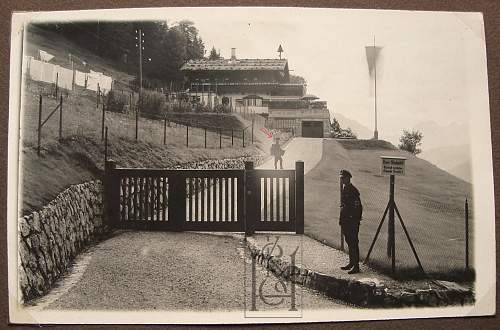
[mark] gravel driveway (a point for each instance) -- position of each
(167, 271)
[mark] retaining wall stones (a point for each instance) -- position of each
(49, 239)
(364, 293)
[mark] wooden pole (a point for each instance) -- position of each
(250, 209)
(103, 120)
(243, 138)
(57, 83)
(391, 239)
(341, 231)
(106, 145)
(205, 138)
(220, 139)
(165, 131)
(60, 117)
(187, 136)
(466, 234)
(232, 137)
(136, 123)
(39, 125)
(299, 197)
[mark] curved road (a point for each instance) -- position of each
(163, 271)
(309, 150)
(137, 270)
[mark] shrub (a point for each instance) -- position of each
(153, 103)
(118, 102)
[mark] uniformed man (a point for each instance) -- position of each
(277, 152)
(350, 217)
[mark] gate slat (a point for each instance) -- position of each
(122, 199)
(209, 200)
(214, 198)
(291, 208)
(158, 195)
(196, 199)
(135, 199)
(141, 193)
(233, 200)
(164, 199)
(226, 199)
(202, 216)
(190, 196)
(278, 180)
(271, 198)
(265, 199)
(283, 185)
(220, 199)
(129, 198)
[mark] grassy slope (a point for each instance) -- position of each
(431, 202)
(80, 156)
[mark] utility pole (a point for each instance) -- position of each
(375, 133)
(141, 48)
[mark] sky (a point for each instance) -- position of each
(428, 70)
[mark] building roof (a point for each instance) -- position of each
(238, 64)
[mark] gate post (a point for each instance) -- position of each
(249, 199)
(111, 194)
(177, 201)
(299, 196)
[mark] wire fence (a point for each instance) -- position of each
(85, 114)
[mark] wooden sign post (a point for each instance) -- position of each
(392, 166)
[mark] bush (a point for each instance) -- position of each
(118, 102)
(153, 103)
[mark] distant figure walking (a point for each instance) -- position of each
(278, 153)
(351, 211)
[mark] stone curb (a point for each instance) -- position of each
(360, 293)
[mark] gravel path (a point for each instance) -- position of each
(168, 271)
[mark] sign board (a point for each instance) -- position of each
(393, 165)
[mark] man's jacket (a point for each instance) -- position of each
(350, 207)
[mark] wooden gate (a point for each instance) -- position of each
(205, 200)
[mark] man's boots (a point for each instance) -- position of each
(346, 267)
(354, 270)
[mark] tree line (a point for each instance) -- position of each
(166, 48)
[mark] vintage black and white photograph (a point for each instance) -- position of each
(249, 165)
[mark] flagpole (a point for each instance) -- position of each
(375, 133)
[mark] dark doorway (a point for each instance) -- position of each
(312, 129)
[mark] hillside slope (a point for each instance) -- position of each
(431, 202)
(79, 156)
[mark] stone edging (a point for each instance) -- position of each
(361, 293)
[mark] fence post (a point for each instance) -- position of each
(102, 121)
(340, 203)
(466, 234)
(252, 129)
(39, 125)
(57, 83)
(220, 139)
(232, 137)
(165, 131)
(106, 146)
(187, 136)
(177, 195)
(136, 123)
(243, 138)
(205, 138)
(250, 209)
(60, 117)
(299, 197)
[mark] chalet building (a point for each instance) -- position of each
(257, 86)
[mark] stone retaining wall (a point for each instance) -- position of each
(363, 293)
(49, 239)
